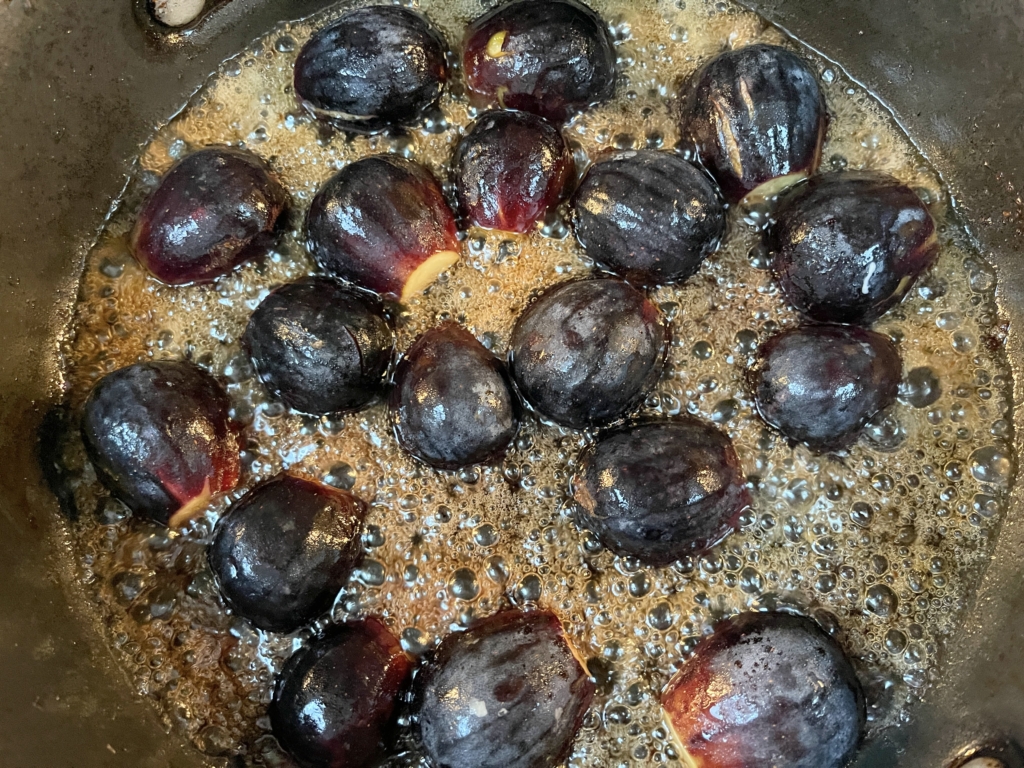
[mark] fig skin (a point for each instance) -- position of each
(451, 403)
(283, 551)
(821, 384)
(383, 223)
(352, 679)
(660, 490)
(766, 689)
(847, 247)
(553, 58)
(320, 346)
(374, 68)
(160, 439)
(510, 169)
(508, 692)
(212, 211)
(587, 352)
(650, 217)
(734, 110)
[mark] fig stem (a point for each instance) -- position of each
(192, 508)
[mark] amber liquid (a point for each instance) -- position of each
(882, 544)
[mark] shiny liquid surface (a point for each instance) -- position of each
(882, 544)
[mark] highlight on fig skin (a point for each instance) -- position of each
(352, 679)
(847, 247)
(553, 58)
(660, 490)
(160, 439)
(766, 689)
(383, 223)
(212, 211)
(510, 169)
(587, 352)
(755, 116)
(320, 346)
(650, 217)
(282, 553)
(820, 384)
(451, 403)
(509, 692)
(374, 68)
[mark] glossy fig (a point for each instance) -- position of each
(766, 689)
(334, 700)
(510, 169)
(213, 210)
(660, 490)
(821, 384)
(553, 58)
(160, 438)
(374, 68)
(754, 115)
(588, 352)
(648, 216)
(383, 223)
(320, 346)
(451, 403)
(506, 693)
(846, 247)
(283, 551)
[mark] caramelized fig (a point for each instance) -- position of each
(510, 169)
(451, 403)
(283, 551)
(660, 490)
(508, 692)
(766, 689)
(648, 216)
(212, 211)
(553, 58)
(755, 115)
(335, 699)
(374, 68)
(382, 223)
(587, 352)
(160, 438)
(846, 247)
(821, 384)
(320, 346)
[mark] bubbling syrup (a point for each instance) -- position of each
(882, 544)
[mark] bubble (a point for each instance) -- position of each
(485, 535)
(415, 641)
(992, 465)
(921, 387)
(660, 616)
(528, 589)
(341, 475)
(881, 601)
(463, 584)
(895, 641)
(371, 573)
(285, 44)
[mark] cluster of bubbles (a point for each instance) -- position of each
(881, 545)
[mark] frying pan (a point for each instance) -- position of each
(83, 83)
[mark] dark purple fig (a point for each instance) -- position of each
(553, 58)
(383, 223)
(213, 210)
(820, 384)
(374, 68)
(160, 438)
(846, 247)
(508, 692)
(451, 403)
(755, 114)
(335, 699)
(588, 352)
(766, 689)
(648, 216)
(660, 490)
(283, 551)
(320, 346)
(510, 170)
